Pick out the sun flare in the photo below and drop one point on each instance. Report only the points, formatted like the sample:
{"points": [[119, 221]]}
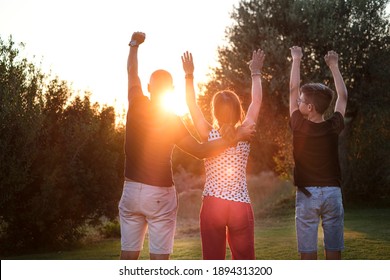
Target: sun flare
{"points": [[175, 103]]}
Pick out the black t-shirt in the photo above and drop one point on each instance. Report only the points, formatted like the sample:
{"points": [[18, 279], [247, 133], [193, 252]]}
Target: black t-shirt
{"points": [[151, 135], [315, 150]]}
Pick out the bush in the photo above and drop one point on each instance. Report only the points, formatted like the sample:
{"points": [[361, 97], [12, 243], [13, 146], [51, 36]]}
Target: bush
{"points": [[189, 204], [61, 159], [268, 193], [110, 229]]}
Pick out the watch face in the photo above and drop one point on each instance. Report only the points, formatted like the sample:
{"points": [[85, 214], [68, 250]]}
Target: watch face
{"points": [[133, 43]]}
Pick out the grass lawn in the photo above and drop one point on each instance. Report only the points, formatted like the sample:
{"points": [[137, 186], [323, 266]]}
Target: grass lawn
{"points": [[367, 237]]}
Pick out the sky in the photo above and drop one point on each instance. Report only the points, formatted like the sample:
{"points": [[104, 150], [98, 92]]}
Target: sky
{"points": [[85, 42]]}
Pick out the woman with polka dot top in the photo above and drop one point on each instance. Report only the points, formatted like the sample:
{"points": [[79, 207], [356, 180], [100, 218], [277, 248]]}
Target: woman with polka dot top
{"points": [[226, 212]]}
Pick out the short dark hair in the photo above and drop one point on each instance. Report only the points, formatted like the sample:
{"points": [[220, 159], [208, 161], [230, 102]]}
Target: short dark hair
{"points": [[319, 95]]}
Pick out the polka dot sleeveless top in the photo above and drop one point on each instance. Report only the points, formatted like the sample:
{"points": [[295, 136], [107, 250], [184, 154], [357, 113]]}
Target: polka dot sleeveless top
{"points": [[226, 173]]}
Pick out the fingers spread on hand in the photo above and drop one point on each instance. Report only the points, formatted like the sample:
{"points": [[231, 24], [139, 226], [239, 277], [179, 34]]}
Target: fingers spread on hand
{"points": [[186, 57]]}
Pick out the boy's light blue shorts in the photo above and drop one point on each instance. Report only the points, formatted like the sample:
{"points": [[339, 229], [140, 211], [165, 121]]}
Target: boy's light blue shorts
{"points": [[325, 203]]}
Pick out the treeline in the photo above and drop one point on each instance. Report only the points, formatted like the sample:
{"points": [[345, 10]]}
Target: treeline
{"points": [[61, 158], [359, 30]]}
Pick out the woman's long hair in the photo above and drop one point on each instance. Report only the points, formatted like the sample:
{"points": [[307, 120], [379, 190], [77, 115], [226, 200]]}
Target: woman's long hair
{"points": [[227, 112]]}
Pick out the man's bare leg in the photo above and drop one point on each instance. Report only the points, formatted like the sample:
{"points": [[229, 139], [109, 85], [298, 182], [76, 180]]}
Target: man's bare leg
{"points": [[159, 256], [129, 255]]}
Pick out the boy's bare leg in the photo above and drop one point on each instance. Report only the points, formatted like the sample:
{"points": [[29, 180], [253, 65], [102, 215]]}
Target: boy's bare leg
{"points": [[333, 255], [309, 256]]}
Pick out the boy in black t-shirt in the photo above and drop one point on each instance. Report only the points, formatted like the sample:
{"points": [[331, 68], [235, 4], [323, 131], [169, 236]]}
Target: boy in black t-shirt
{"points": [[315, 148]]}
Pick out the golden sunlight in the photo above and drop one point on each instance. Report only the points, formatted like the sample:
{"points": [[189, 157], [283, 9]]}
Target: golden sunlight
{"points": [[175, 103]]}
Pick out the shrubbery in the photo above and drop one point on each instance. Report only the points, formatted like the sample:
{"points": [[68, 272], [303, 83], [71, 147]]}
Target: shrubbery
{"points": [[61, 160]]}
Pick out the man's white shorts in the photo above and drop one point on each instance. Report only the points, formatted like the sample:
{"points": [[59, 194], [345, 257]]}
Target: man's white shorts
{"points": [[145, 206]]}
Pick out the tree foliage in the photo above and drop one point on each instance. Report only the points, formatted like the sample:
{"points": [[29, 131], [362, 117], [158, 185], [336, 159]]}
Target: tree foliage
{"points": [[61, 160], [359, 31]]}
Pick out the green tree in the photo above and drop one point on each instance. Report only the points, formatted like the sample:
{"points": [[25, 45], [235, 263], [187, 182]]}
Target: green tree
{"points": [[20, 119], [359, 31], [61, 160]]}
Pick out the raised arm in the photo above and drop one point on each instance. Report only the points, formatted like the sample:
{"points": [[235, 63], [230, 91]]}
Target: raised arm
{"points": [[202, 126], [295, 77], [331, 59], [255, 66], [132, 61]]}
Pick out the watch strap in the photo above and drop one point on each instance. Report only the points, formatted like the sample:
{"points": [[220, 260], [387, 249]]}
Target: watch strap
{"points": [[133, 43]]}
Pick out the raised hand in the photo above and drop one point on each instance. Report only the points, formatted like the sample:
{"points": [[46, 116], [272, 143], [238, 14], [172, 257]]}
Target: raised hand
{"points": [[296, 52], [138, 37], [331, 58], [188, 63], [256, 64]]}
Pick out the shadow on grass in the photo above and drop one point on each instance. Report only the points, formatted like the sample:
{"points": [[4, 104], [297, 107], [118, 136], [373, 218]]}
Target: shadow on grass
{"points": [[367, 234]]}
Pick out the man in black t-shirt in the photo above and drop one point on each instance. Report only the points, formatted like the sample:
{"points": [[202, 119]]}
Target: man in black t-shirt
{"points": [[315, 149], [149, 197]]}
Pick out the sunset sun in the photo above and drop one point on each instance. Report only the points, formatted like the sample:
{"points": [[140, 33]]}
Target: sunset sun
{"points": [[175, 103]]}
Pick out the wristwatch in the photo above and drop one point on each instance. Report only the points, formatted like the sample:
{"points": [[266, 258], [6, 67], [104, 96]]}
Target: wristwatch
{"points": [[133, 43]]}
